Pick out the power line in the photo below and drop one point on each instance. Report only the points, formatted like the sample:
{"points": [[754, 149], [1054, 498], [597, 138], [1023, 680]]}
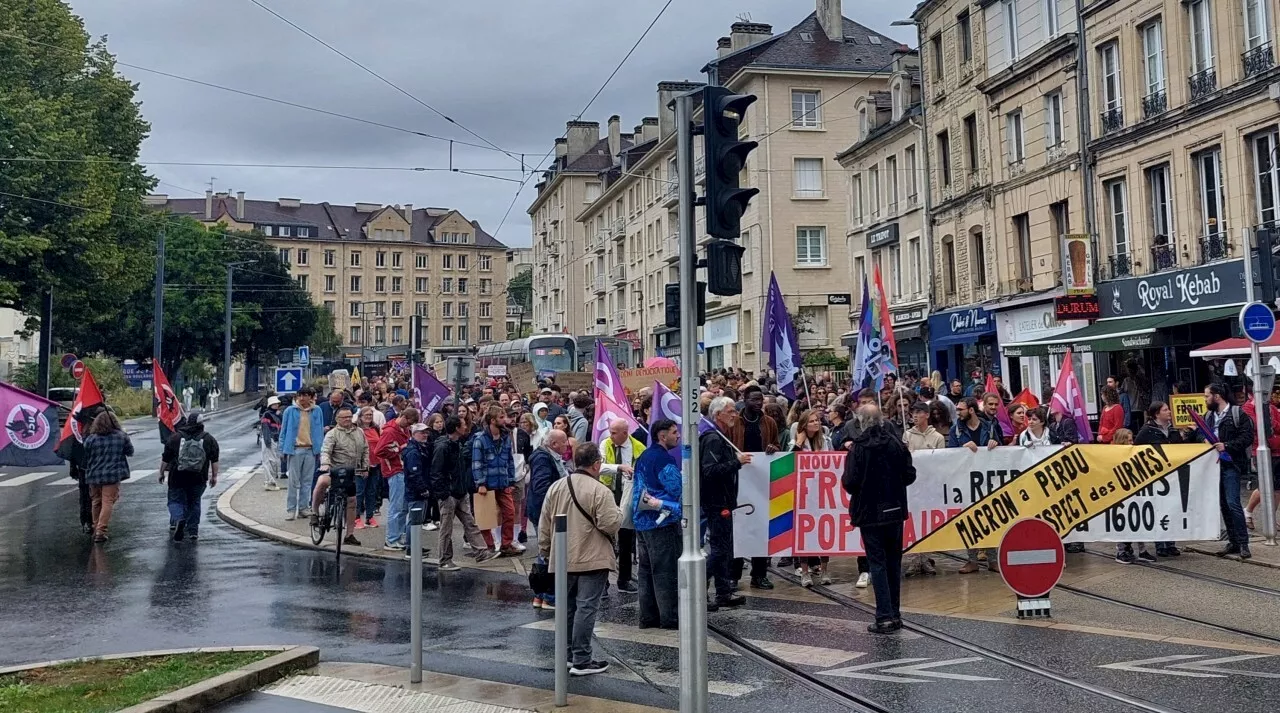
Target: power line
{"points": [[384, 80]]}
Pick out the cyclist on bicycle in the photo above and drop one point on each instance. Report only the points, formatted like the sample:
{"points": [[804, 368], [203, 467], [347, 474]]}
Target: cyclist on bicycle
{"points": [[344, 447]]}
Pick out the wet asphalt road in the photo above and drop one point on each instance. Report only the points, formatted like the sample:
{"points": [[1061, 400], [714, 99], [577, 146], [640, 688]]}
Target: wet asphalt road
{"points": [[61, 597]]}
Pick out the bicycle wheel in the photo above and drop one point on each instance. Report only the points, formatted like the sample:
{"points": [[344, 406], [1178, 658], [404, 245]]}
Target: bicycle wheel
{"points": [[321, 524], [340, 509]]}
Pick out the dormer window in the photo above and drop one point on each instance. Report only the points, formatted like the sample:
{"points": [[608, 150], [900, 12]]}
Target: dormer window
{"points": [[896, 93], [864, 122]]}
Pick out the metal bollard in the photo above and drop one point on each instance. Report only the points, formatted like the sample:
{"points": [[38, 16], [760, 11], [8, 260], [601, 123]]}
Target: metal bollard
{"points": [[415, 592], [560, 554]]}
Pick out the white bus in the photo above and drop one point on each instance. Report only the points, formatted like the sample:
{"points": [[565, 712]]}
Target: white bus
{"points": [[549, 353]]}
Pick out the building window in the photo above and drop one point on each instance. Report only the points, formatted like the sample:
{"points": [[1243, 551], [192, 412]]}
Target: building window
{"points": [[379, 335], [380, 259], [420, 284], [397, 284], [486, 263], [420, 308], [978, 249], [1212, 200], [1054, 135], [329, 281], [1022, 232], [949, 265], [462, 334], [304, 256], [329, 258], [1117, 216], [1153, 57], [302, 282], [284, 256], [397, 308], [855, 199], [446, 285], [1201, 36], [964, 33], [355, 335], [1060, 219], [1257, 26], [285, 231], [379, 284], [805, 108], [873, 185], [446, 262], [462, 262], [462, 285], [748, 251], [939, 60], [913, 181], [895, 272], [863, 127], [486, 309], [1011, 29], [446, 309], [303, 232], [397, 259], [355, 283], [811, 247], [355, 258], [592, 191], [486, 333], [446, 334], [914, 256], [891, 182], [1013, 129], [486, 286], [330, 306], [944, 156], [420, 262], [816, 318], [971, 143], [1267, 177], [397, 335], [807, 177], [464, 309], [1161, 197], [354, 310], [1109, 58], [859, 274], [266, 230], [1051, 18]]}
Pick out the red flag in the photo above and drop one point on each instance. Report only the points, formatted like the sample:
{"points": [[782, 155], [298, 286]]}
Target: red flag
{"points": [[886, 323], [1026, 398], [88, 396], [168, 409], [1002, 413], [1068, 399]]}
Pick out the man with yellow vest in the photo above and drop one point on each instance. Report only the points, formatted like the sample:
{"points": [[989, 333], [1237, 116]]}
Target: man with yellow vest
{"points": [[620, 452]]}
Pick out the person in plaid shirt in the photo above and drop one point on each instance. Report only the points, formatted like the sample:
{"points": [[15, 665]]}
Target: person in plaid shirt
{"points": [[107, 450]]}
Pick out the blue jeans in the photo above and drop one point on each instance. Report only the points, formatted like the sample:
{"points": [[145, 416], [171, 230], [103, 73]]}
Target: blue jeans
{"points": [[184, 506], [1229, 502], [302, 466], [396, 513], [367, 494]]}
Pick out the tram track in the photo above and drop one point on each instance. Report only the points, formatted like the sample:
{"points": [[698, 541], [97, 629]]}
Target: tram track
{"points": [[1213, 579]]}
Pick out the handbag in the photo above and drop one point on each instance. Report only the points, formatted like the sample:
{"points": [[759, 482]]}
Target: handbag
{"points": [[541, 580], [628, 491]]}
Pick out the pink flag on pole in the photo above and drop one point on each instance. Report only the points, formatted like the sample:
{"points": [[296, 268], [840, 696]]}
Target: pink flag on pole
{"points": [[609, 383], [608, 411], [1068, 399], [1002, 413]]}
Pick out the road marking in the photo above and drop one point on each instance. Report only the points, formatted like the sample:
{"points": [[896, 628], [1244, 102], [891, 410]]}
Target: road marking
{"points": [[136, 475], [1210, 665], [234, 474], [1203, 668], [1033, 557], [1140, 666], [27, 478], [911, 667]]}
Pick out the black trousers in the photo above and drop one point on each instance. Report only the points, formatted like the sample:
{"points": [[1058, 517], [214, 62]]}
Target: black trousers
{"points": [[626, 553], [658, 576], [720, 550], [86, 503], [759, 567], [884, 553]]}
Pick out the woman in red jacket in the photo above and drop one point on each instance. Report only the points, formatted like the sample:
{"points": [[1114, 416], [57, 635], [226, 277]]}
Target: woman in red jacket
{"points": [[367, 499], [1113, 415]]}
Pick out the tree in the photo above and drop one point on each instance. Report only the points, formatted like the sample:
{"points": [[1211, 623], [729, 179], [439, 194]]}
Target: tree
{"points": [[324, 340], [520, 290], [71, 220]]}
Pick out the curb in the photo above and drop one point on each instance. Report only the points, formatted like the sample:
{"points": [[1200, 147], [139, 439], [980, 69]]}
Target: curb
{"points": [[1233, 558], [207, 693]]}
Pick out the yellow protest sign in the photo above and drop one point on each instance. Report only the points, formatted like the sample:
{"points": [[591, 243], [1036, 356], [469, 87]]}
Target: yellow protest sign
{"points": [[1065, 489], [1183, 405]]}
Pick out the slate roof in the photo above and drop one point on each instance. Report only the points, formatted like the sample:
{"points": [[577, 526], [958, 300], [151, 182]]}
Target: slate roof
{"points": [[329, 221], [788, 50]]}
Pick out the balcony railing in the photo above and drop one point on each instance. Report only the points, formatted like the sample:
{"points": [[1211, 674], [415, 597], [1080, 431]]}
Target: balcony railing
{"points": [[671, 195], [1214, 247], [1163, 257], [619, 228], [1155, 104], [620, 319], [673, 248], [1112, 120], [1258, 60], [1119, 266], [1202, 84], [618, 275], [598, 284]]}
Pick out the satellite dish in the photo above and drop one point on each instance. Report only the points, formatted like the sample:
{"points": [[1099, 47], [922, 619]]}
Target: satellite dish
{"points": [[1229, 369]]}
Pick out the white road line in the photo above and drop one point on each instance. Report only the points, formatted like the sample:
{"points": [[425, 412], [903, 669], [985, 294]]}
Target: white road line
{"points": [[27, 478], [136, 475], [234, 474]]}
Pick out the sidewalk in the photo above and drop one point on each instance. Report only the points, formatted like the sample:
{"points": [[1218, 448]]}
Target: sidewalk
{"points": [[248, 506]]}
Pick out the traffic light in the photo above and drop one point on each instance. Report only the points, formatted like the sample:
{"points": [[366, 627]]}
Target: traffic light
{"points": [[1268, 266], [672, 304], [724, 157]]}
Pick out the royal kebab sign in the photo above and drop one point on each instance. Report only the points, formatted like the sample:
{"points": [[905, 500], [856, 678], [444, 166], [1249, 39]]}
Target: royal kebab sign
{"points": [[1217, 285]]}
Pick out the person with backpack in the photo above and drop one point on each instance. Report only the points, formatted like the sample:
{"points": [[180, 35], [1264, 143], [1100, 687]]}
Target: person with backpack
{"points": [[1233, 435], [450, 482], [190, 463]]}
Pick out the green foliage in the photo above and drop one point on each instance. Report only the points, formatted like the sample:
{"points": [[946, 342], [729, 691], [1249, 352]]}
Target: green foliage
{"points": [[24, 377], [825, 358], [108, 374], [520, 291], [131, 403], [324, 340], [196, 370]]}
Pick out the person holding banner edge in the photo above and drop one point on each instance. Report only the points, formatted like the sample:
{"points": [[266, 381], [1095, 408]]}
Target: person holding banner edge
{"points": [[974, 432], [1231, 433], [720, 463]]}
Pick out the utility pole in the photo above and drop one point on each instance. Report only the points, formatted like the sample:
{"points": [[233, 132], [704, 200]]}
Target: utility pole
{"points": [[46, 342], [158, 328], [226, 343]]}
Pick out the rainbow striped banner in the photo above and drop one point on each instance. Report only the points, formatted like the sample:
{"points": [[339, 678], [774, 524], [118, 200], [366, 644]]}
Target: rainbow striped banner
{"points": [[782, 505]]}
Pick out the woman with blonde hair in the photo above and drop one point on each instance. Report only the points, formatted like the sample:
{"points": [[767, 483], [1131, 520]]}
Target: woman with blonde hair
{"points": [[811, 435], [107, 450]]}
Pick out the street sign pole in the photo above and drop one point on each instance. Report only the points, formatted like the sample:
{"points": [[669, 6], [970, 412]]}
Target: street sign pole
{"points": [[693, 564], [1261, 400]]}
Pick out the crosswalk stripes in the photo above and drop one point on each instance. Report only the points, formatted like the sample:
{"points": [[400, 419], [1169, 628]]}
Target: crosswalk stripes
{"points": [[27, 478], [234, 474], [142, 474]]}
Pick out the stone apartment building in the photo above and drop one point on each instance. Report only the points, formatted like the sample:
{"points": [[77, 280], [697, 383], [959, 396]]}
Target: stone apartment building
{"points": [[373, 266]]}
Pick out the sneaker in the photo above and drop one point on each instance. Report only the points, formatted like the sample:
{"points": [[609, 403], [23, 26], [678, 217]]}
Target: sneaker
{"points": [[306, 512], [825, 578], [291, 516], [537, 601], [1228, 550], [864, 580], [314, 520], [1168, 552], [799, 571], [1125, 557], [589, 668], [351, 540], [449, 567], [483, 555], [393, 547], [627, 587], [1245, 553], [359, 524], [372, 522], [885, 627], [806, 580], [929, 567], [968, 568], [431, 527], [761, 583], [508, 551], [180, 531], [712, 606], [732, 601], [548, 603], [409, 555], [1146, 556], [192, 538], [523, 537], [1074, 547], [785, 563], [519, 547]]}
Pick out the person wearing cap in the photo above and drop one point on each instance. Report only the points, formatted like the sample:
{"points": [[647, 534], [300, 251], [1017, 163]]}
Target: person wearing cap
{"points": [[417, 455], [190, 463], [269, 427]]}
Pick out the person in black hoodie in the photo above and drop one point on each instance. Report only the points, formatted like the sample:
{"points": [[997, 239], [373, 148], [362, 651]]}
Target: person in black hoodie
{"points": [[450, 482], [876, 475], [1235, 432], [417, 457], [190, 462], [720, 464]]}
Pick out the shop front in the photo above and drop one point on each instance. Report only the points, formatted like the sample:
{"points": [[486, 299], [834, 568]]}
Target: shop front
{"points": [[909, 334], [719, 335], [962, 341], [1024, 368]]}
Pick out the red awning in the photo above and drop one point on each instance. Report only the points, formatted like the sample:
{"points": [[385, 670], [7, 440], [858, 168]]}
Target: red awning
{"points": [[1237, 347]]}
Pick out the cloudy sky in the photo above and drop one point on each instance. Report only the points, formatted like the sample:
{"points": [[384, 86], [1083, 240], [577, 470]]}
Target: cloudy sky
{"points": [[512, 71]]}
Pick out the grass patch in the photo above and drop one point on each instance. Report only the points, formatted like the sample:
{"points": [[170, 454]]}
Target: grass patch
{"points": [[131, 403], [97, 686]]}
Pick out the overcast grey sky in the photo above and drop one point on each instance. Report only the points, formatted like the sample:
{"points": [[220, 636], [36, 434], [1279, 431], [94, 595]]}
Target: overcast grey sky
{"points": [[513, 71]]}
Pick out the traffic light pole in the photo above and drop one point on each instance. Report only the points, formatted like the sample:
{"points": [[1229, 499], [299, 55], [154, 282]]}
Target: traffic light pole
{"points": [[1261, 395], [693, 564]]}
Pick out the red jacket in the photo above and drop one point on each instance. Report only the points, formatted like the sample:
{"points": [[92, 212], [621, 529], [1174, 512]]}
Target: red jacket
{"points": [[372, 436], [1112, 421], [394, 439], [1273, 440]]}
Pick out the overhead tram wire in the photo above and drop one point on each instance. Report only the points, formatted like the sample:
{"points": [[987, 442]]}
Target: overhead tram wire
{"points": [[386, 81]]}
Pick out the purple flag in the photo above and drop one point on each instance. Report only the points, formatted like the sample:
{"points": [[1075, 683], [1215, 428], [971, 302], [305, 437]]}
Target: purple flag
{"points": [[428, 391], [780, 342], [705, 425], [609, 383], [667, 405], [27, 438]]}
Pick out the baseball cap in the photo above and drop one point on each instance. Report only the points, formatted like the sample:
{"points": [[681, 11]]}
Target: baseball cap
{"points": [[418, 427], [546, 390]]}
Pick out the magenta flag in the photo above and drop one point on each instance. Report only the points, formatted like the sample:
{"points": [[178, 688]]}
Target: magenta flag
{"points": [[667, 405], [1068, 399], [609, 383], [27, 439], [608, 411]]}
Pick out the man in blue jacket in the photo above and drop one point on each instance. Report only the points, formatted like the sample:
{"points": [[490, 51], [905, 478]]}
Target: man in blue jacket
{"points": [[493, 466], [656, 511], [301, 438]]}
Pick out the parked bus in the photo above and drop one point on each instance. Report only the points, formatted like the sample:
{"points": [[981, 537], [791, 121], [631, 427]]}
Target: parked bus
{"points": [[549, 353], [619, 351]]}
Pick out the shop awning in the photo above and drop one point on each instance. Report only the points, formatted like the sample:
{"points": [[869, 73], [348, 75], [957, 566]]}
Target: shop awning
{"points": [[1111, 335], [1237, 347]]}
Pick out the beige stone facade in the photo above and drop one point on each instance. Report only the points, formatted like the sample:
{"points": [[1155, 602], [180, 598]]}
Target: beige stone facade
{"points": [[373, 266]]}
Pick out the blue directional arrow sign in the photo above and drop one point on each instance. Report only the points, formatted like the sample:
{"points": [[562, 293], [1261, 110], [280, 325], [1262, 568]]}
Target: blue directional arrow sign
{"points": [[304, 356], [288, 380], [1257, 322]]}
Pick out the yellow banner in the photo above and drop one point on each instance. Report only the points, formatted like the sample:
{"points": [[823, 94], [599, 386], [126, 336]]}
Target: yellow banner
{"points": [[1183, 405], [1065, 489]]}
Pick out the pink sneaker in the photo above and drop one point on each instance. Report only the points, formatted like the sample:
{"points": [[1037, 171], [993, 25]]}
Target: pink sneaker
{"points": [[372, 522], [359, 524]]}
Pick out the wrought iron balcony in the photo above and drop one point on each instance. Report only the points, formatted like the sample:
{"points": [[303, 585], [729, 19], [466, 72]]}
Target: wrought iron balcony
{"points": [[1163, 257], [1155, 104], [1214, 247], [1203, 84], [1258, 60], [1112, 120], [1120, 265]]}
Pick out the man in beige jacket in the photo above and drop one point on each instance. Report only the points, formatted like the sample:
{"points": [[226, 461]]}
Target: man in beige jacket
{"points": [[344, 446], [593, 519]]}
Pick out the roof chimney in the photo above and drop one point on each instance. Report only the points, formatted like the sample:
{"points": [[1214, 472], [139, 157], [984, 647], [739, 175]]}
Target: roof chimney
{"points": [[745, 34], [724, 46], [648, 129], [582, 136], [831, 20], [208, 204], [408, 213], [666, 115], [239, 205], [562, 148], [615, 135]]}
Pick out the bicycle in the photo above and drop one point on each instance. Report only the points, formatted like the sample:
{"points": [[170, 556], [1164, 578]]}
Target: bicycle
{"points": [[333, 511]]}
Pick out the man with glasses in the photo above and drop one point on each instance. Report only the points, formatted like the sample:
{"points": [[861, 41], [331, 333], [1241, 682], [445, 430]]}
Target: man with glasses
{"points": [[344, 449]]}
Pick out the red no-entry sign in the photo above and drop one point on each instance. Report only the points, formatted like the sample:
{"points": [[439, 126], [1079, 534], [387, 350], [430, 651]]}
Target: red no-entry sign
{"points": [[77, 369], [1031, 558]]}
